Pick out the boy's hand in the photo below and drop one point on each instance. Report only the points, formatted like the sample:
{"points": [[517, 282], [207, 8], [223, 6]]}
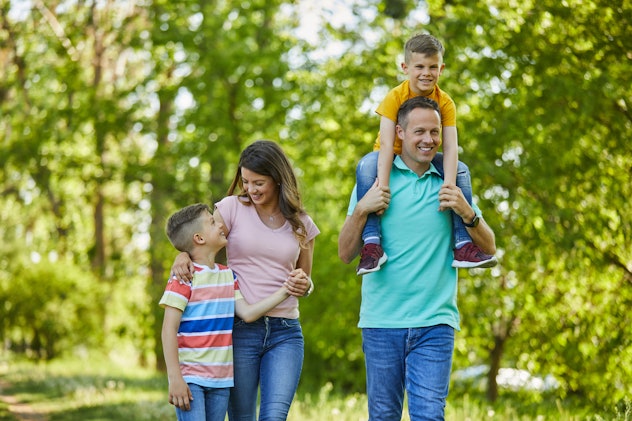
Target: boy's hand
{"points": [[297, 283], [182, 268], [180, 395]]}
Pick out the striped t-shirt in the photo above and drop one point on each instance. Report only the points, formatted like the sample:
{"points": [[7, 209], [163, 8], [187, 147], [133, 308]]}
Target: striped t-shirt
{"points": [[205, 340]]}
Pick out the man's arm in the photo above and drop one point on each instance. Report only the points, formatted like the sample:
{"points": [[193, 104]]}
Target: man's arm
{"points": [[350, 238], [451, 197]]}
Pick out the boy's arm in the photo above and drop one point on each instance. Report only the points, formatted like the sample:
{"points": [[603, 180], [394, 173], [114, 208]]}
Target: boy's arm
{"points": [[179, 392], [251, 312], [385, 156], [450, 155]]}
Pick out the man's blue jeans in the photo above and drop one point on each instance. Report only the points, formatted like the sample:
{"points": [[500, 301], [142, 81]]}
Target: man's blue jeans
{"points": [[366, 173], [208, 404], [267, 353], [417, 360]]}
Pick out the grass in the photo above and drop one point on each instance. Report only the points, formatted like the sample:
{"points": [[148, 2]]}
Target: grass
{"points": [[98, 389]]}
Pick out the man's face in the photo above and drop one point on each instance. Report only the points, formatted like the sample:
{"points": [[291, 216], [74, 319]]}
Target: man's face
{"points": [[421, 138]]}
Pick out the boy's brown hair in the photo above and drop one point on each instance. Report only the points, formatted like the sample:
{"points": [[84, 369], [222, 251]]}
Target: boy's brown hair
{"points": [[183, 224], [423, 44]]}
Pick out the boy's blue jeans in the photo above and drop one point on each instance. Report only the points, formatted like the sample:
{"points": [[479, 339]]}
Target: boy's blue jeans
{"points": [[366, 173], [208, 404], [268, 353], [417, 360]]}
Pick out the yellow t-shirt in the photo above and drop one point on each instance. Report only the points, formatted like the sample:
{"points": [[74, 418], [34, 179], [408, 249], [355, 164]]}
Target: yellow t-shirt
{"points": [[400, 94]]}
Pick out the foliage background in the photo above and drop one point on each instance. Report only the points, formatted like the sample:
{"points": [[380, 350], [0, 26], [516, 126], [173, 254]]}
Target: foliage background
{"points": [[114, 114]]}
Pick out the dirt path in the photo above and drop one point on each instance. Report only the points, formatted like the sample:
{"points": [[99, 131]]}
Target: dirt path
{"points": [[22, 411]]}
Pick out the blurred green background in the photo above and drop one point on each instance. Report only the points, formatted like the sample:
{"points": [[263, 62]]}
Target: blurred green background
{"points": [[113, 114]]}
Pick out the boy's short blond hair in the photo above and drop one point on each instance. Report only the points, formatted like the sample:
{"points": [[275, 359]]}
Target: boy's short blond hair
{"points": [[183, 224], [423, 44]]}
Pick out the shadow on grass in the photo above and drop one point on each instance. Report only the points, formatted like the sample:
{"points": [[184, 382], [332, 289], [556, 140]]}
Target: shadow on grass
{"points": [[91, 396]]}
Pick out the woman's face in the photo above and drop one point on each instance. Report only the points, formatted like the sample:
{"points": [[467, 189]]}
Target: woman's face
{"points": [[261, 189]]}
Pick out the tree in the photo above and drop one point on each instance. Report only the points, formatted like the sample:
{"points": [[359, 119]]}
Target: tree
{"points": [[543, 129]]}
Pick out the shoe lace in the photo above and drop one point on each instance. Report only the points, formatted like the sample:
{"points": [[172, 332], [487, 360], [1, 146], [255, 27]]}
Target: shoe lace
{"points": [[371, 252]]}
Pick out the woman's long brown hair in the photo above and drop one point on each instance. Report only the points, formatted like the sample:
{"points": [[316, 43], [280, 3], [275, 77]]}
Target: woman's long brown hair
{"points": [[265, 157]]}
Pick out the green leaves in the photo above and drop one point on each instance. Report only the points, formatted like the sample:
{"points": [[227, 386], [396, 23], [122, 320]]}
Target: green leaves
{"points": [[113, 116]]}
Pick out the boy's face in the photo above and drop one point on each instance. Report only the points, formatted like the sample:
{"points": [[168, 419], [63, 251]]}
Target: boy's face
{"points": [[213, 232], [423, 72]]}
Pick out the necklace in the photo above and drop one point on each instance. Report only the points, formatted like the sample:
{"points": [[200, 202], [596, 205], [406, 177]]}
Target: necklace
{"points": [[271, 217]]}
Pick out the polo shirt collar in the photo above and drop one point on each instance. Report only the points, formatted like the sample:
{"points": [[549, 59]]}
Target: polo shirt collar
{"points": [[399, 164]]}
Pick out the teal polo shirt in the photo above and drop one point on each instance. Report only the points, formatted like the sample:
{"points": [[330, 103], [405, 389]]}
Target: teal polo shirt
{"points": [[417, 286]]}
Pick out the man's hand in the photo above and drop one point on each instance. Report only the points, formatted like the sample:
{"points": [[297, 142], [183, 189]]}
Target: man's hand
{"points": [[376, 199], [451, 197]]}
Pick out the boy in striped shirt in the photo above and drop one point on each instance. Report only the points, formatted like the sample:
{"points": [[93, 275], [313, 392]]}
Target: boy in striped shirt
{"points": [[198, 321]]}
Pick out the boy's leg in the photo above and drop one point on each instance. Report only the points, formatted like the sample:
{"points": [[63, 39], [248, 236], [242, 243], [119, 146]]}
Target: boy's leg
{"points": [[466, 253], [464, 182], [372, 255], [366, 173]]}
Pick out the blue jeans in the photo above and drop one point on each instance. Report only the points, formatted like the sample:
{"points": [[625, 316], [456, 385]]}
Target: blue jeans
{"points": [[208, 404], [268, 353], [417, 360], [366, 173]]}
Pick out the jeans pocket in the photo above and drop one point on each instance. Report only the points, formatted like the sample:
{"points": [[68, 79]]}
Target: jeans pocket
{"points": [[290, 323]]}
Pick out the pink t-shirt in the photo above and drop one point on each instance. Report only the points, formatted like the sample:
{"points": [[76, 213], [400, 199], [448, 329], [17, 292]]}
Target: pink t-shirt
{"points": [[261, 257]]}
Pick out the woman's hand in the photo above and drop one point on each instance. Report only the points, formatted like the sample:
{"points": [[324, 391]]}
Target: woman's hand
{"points": [[298, 283], [182, 267]]}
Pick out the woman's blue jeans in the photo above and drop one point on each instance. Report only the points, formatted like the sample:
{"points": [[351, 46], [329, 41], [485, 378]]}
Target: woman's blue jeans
{"points": [[208, 404], [268, 353], [366, 173], [417, 360]]}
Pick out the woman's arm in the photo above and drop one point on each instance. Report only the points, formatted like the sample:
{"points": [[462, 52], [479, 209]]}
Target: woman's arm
{"points": [[182, 267], [299, 282]]}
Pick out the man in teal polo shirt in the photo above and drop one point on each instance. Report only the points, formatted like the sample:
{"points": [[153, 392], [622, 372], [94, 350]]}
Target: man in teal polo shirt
{"points": [[408, 313]]}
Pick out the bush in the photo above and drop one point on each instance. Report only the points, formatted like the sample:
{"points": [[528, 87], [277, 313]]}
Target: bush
{"points": [[50, 307]]}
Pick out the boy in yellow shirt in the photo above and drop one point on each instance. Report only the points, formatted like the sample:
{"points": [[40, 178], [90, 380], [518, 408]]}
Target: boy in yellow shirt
{"points": [[423, 64]]}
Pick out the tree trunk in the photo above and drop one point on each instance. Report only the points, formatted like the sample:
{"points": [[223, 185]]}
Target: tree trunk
{"points": [[494, 366]]}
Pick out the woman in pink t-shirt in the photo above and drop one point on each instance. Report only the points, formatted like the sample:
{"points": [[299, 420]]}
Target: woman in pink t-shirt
{"points": [[270, 239]]}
